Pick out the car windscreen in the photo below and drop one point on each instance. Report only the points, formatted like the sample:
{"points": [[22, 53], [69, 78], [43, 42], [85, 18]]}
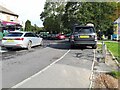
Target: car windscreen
{"points": [[14, 34], [85, 30]]}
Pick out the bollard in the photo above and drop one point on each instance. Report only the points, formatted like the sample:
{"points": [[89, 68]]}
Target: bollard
{"points": [[104, 51]]}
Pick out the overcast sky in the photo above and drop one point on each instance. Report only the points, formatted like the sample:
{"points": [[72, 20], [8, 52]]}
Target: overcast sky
{"points": [[26, 9]]}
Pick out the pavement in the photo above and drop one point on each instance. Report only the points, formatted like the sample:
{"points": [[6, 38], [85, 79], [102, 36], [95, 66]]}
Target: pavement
{"points": [[70, 74], [105, 66], [69, 70], [59, 76]]}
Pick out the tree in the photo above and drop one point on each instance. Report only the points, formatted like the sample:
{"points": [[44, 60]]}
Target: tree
{"points": [[61, 17], [70, 16], [52, 15], [36, 29], [116, 13], [28, 26], [98, 13]]}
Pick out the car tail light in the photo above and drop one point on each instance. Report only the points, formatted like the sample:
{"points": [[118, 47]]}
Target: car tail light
{"points": [[72, 37], [19, 39], [95, 37], [18, 44]]}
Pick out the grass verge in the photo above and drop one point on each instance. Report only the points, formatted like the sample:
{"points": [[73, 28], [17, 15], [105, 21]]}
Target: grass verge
{"points": [[113, 47]]}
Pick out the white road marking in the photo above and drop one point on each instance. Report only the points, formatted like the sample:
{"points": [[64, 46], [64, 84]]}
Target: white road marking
{"points": [[19, 84], [91, 76]]}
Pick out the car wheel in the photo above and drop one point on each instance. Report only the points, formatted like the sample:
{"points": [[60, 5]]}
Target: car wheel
{"points": [[94, 46], [29, 46]]}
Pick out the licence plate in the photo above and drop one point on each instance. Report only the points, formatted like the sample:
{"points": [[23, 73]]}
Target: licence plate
{"points": [[84, 36], [10, 40]]}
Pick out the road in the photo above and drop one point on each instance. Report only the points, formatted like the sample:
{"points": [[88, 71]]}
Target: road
{"points": [[71, 71]]}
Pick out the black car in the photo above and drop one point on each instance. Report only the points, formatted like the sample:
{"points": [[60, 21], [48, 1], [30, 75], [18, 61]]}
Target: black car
{"points": [[84, 35]]}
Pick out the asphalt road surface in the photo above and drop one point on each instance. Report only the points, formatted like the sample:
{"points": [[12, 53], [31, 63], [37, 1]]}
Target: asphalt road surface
{"points": [[71, 71]]}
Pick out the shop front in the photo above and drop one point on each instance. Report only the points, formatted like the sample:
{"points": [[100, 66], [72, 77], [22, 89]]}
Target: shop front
{"points": [[6, 27]]}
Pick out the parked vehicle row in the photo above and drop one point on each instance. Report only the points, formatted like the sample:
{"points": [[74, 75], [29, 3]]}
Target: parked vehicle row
{"points": [[81, 35], [54, 36]]}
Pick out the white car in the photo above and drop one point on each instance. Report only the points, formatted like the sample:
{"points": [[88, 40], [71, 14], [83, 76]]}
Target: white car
{"points": [[20, 39]]}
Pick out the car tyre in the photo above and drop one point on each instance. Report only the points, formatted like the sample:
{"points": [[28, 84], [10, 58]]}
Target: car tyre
{"points": [[29, 46]]}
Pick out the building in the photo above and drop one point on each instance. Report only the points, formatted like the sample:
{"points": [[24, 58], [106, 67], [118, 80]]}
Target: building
{"points": [[8, 18], [116, 34]]}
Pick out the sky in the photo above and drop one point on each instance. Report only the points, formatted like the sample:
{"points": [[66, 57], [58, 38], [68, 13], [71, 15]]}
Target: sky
{"points": [[26, 9]]}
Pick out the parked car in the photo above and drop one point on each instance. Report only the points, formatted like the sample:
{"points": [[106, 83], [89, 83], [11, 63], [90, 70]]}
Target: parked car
{"points": [[19, 39], [68, 35], [53, 36], [84, 35], [61, 36], [44, 35]]}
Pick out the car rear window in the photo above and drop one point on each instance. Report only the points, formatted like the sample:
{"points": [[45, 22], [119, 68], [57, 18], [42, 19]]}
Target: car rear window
{"points": [[15, 34], [84, 30]]}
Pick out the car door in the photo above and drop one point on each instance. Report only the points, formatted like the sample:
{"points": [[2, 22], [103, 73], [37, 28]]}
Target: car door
{"points": [[37, 39], [30, 37]]}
